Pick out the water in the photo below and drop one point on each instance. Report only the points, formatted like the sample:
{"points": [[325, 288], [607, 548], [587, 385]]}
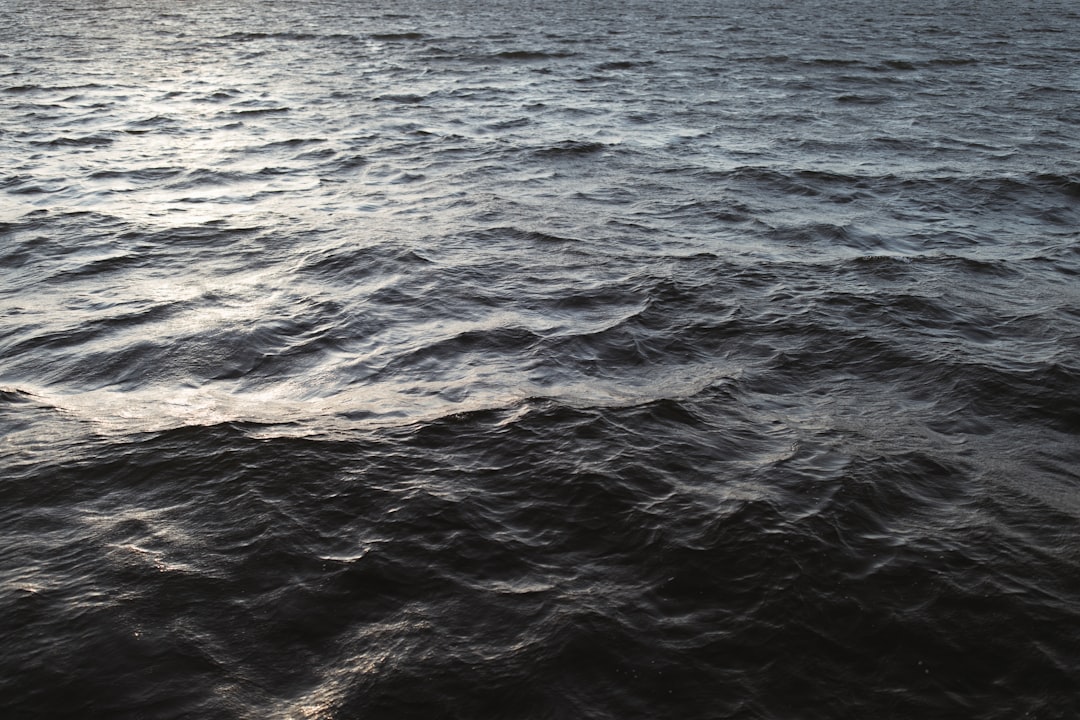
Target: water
{"points": [[539, 359]]}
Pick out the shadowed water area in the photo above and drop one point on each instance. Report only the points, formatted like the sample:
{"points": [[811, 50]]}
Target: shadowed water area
{"points": [[540, 359]]}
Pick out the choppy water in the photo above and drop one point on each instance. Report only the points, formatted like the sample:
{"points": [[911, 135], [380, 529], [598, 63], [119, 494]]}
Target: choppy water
{"points": [[540, 359]]}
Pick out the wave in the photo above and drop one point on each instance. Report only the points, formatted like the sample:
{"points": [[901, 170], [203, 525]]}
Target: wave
{"points": [[570, 148], [299, 36], [391, 36], [530, 55], [90, 141], [360, 359]]}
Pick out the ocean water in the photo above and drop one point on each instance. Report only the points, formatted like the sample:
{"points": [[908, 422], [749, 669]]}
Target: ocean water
{"points": [[540, 359]]}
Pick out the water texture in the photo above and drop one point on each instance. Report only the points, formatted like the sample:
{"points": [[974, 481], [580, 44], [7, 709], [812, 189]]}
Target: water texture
{"points": [[540, 359]]}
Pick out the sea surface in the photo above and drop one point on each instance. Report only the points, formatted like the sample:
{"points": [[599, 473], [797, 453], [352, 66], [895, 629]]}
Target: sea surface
{"points": [[540, 359]]}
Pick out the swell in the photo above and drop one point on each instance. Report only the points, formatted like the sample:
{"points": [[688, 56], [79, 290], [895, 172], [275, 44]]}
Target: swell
{"points": [[579, 574]]}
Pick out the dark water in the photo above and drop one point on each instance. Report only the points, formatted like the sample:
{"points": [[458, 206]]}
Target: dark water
{"points": [[540, 359]]}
